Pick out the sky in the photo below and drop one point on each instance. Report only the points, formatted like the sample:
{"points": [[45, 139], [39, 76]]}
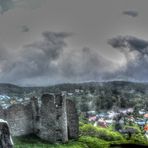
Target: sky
{"points": [[46, 42]]}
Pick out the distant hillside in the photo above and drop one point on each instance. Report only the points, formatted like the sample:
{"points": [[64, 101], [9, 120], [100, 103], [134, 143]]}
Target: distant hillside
{"points": [[70, 87], [10, 89], [91, 95]]}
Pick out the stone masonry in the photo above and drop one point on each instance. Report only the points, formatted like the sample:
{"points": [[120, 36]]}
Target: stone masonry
{"points": [[52, 118], [5, 137]]}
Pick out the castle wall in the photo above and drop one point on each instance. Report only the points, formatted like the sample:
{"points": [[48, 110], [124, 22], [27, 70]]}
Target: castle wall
{"points": [[54, 120], [47, 122], [72, 120], [54, 127], [19, 118], [61, 116]]}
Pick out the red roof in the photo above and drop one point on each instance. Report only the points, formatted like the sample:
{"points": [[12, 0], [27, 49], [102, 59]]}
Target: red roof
{"points": [[146, 115]]}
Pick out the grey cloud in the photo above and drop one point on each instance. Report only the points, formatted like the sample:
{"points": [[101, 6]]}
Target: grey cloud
{"points": [[50, 47], [36, 59], [25, 28], [130, 42], [3, 53], [85, 65], [5, 5], [131, 13], [136, 53], [48, 61]]}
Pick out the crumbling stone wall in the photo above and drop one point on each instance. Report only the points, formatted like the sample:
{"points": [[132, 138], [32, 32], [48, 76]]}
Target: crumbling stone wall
{"points": [[19, 118], [55, 119], [72, 120], [61, 117], [54, 127]]}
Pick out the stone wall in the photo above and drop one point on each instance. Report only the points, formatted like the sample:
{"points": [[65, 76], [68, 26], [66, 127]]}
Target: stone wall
{"points": [[19, 118], [55, 119], [72, 120], [54, 127]]}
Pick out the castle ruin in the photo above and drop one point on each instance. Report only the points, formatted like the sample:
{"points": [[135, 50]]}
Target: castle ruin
{"points": [[52, 118]]}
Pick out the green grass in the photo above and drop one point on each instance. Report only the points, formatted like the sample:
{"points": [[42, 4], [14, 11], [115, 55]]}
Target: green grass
{"points": [[32, 141], [71, 145], [90, 137], [83, 142], [93, 142]]}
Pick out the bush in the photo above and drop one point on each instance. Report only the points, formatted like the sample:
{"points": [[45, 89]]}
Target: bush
{"points": [[101, 133], [135, 129], [93, 142], [81, 124], [139, 138]]}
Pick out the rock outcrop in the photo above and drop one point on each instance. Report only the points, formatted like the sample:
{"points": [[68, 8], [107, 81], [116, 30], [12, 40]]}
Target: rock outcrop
{"points": [[5, 137]]}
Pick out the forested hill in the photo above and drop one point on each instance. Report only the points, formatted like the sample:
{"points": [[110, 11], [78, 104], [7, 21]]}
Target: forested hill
{"points": [[71, 87], [91, 95]]}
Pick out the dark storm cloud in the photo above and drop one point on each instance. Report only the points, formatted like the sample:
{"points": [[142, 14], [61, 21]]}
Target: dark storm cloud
{"points": [[130, 42], [36, 59], [51, 46], [85, 65], [131, 13], [136, 53], [49, 61]]}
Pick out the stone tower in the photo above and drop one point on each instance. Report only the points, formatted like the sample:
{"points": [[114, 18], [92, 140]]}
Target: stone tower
{"points": [[52, 125]]}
